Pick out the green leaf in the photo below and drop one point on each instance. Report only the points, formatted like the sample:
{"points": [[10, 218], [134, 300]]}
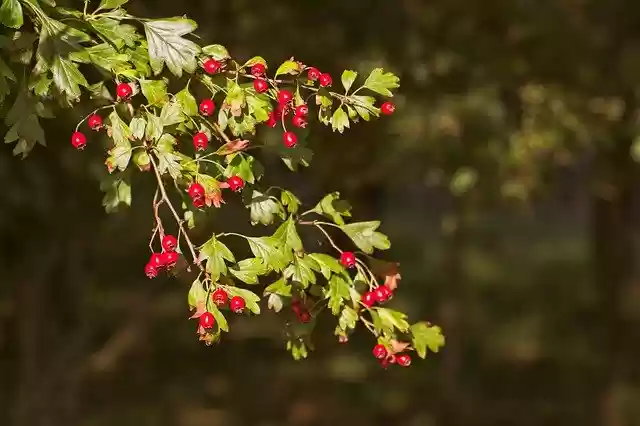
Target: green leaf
{"points": [[274, 302], [269, 249], [380, 82], [171, 113], [249, 297], [348, 77], [288, 234], [167, 46], [364, 106], [287, 67], [117, 190], [216, 51], [339, 120], [290, 201], [137, 127], [280, 287], [248, 270], [424, 335], [302, 271], [155, 91], [187, 102], [120, 154], [215, 252], [235, 99], [169, 162], [197, 294], [11, 14], [219, 316], [390, 319], [241, 166], [259, 106], [348, 318], [114, 32], [337, 291], [103, 55], [327, 264], [364, 235], [331, 206], [111, 4], [264, 209], [67, 77], [24, 124], [255, 60], [153, 131]]}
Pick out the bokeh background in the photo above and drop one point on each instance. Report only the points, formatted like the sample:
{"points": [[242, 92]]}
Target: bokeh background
{"points": [[506, 180]]}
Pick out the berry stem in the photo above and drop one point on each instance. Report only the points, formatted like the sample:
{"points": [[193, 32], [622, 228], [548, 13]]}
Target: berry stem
{"points": [[326, 234], [91, 113]]}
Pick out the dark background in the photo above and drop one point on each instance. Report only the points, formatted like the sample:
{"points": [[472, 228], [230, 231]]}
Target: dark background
{"points": [[505, 181]]}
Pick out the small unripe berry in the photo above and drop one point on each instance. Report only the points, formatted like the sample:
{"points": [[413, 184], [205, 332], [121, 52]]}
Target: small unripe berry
{"points": [[325, 80], [78, 140], [379, 351], [207, 320], [150, 271], [404, 360], [368, 299], [313, 73], [200, 141], [124, 90], [290, 139], [94, 121], [260, 85], [235, 183], [156, 260], [170, 258], [348, 259], [220, 297], [207, 107], [169, 243], [299, 121], [302, 110], [387, 108], [285, 96], [211, 66], [196, 190], [258, 70], [237, 304]]}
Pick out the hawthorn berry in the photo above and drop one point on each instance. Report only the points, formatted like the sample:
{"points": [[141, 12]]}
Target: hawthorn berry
{"points": [[302, 110], [299, 121], [207, 107], [260, 85], [387, 108], [404, 360], [207, 320], [169, 243], [382, 294], [392, 359], [150, 271], [170, 258], [94, 121], [348, 259], [211, 66], [290, 139], [272, 121], [258, 70], [380, 351], [78, 140], [368, 299], [200, 141], [156, 260], [325, 80], [313, 73], [285, 96], [196, 190], [124, 90], [343, 339], [237, 304], [281, 109], [304, 316], [220, 297], [235, 183], [198, 202]]}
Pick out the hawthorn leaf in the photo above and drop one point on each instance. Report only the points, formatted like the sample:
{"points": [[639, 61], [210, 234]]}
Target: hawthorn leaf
{"points": [[111, 4], [333, 207], [219, 316], [259, 106], [216, 51], [169, 162], [167, 46], [328, 264], [339, 120], [155, 91], [113, 31], [120, 154], [348, 318], [287, 67], [11, 14], [249, 297], [425, 336], [171, 113], [288, 234], [137, 127], [24, 124], [215, 252], [337, 291], [241, 166], [197, 294], [365, 106], [380, 82], [187, 102], [269, 250], [255, 60], [390, 319], [274, 302], [153, 131], [67, 77], [117, 189], [103, 55], [348, 77], [281, 287], [301, 271], [264, 209], [365, 236], [248, 270], [290, 201]]}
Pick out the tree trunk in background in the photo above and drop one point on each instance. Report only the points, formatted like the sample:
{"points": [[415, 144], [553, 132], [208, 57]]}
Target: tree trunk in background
{"points": [[613, 258]]}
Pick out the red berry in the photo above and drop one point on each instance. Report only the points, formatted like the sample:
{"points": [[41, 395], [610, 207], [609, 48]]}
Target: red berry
{"points": [[313, 73], [348, 259], [207, 107], [196, 190], [272, 121], [94, 121], [207, 320], [156, 260], [392, 359], [169, 243], [78, 140], [124, 90], [235, 183], [381, 295], [150, 271], [281, 109], [200, 141], [258, 70], [304, 316], [404, 360], [325, 80], [302, 110], [260, 85], [290, 139], [198, 202], [170, 258], [299, 121], [343, 339], [386, 292], [211, 66], [380, 351], [237, 304], [387, 108], [285, 96], [220, 297], [368, 299]]}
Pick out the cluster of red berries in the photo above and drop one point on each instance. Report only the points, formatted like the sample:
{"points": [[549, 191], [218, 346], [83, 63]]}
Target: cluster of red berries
{"points": [[301, 311], [381, 353], [197, 193], [167, 259], [324, 79], [380, 295], [220, 298]]}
